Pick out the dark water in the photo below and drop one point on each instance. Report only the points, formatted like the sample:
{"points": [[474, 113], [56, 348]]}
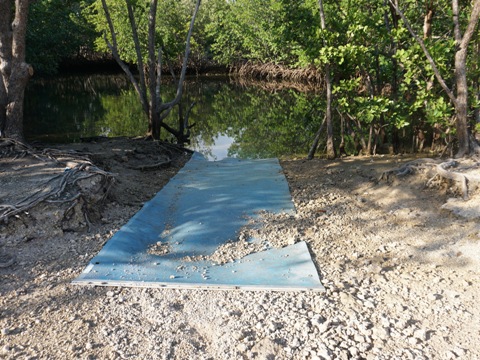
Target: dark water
{"points": [[230, 119]]}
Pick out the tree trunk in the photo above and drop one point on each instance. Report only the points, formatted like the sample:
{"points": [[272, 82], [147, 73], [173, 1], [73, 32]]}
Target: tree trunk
{"points": [[428, 20], [461, 108], [370, 139], [14, 71], [460, 98], [314, 146], [152, 67], [151, 100], [341, 147], [331, 153]]}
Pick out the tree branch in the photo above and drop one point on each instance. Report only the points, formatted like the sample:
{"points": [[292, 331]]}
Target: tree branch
{"points": [[114, 49], [467, 36], [438, 76], [138, 51], [185, 61]]}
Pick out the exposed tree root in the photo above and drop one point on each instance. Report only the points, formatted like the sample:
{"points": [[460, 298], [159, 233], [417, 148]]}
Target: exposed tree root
{"points": [[68, 187], [272, 71], [55, 190], [6, 260], [408, 168], [451, 169]]}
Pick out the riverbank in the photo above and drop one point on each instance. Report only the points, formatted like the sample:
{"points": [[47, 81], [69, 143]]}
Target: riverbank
{"points": [[399, 270]]}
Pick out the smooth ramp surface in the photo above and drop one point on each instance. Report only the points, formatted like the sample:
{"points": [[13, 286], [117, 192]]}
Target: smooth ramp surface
{"points": [[202, 207]]}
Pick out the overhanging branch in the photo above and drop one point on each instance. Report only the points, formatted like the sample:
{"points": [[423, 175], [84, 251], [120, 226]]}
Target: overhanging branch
{"points": [[438, 76], [185, 61]]}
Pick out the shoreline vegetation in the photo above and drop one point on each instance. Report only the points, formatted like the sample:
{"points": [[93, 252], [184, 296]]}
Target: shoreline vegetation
{"points": [[247, 70], [372, 118]]}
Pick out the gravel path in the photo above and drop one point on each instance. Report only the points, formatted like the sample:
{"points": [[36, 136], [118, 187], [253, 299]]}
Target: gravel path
{"points": [[400, 275]]}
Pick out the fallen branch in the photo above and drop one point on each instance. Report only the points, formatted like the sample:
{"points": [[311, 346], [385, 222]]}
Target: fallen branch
{"points": [[408, 168], [152, 166], [441, 170]]}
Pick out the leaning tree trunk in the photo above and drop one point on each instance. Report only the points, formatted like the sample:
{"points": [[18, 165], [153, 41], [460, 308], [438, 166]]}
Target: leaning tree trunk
{"points": [[14, 71]]}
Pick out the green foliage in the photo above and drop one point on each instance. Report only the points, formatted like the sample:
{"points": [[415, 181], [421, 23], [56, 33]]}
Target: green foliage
{"points": [[173, 18], [281, 32], [56, 30], [438, 111], [381, 76]]}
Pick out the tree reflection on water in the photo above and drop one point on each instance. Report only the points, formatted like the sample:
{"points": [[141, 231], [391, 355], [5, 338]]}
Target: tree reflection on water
{"points": [[248, 121]]}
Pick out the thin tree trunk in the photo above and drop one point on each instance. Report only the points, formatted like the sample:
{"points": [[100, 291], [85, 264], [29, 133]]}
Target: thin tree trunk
{"points": [[393, 59], [153, 116], [183, 72], [428, 20], [151, 99], [341, 147], [314, 146], [114, 49], [358, 135], [370, 138], [331, 153], [362, 139], [5, 61], [436, 71]]}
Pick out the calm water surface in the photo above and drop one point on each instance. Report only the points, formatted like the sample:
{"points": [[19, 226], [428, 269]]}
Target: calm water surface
{"points": [[230, 119]]}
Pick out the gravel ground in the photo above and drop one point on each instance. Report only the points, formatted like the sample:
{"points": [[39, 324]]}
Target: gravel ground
{"points": [[400, 274]]}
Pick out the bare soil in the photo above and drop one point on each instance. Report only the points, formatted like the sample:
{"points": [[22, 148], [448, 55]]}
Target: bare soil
{"points": [[400, 262]]}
